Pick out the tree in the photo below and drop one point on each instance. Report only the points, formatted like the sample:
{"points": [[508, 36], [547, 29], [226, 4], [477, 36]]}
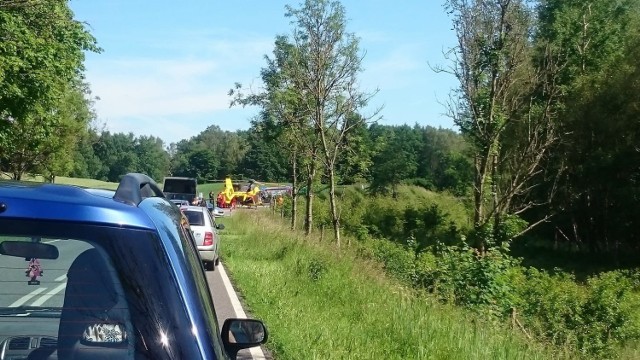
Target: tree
{"points": [[85, 162], [265, 158], [74, 115], [41, 62], [505, 106], [153, 159], [326, 64], [596, 154], [117, 155], [284, 114], [395, 161], [228, 147], [354, 166]]}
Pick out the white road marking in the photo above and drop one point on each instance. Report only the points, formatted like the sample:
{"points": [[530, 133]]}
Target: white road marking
{"points": [[51, 241], [60, 278], [50, 294], [256, 352], [27, 297]]}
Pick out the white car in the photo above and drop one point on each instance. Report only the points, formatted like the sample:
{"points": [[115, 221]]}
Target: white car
{"points": [[217, 212], [205, 232]]}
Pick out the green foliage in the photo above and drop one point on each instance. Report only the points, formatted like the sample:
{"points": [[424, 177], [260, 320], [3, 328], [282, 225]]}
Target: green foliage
{"points": [[351, 310], [598, 189], [211, 155], [264, 158], [458, 274], [153, 159], [41, 104], [596, 318], [108, 156], [397, 260], [396, 160], [314, 268], [354, 165], [415, 215]]}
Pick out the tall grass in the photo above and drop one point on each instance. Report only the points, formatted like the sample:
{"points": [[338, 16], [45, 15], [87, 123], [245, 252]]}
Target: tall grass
{"points": [[323, 304]]}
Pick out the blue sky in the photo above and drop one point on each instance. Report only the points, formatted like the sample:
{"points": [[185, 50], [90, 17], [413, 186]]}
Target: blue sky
{"points": [[167, 66]]}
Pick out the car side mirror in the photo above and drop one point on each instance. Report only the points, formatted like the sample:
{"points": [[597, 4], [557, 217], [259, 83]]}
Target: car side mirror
{"points": [[220, 226], [238, 334]]}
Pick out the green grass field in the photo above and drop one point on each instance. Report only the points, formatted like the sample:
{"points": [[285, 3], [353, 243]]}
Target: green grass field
{"points": [[215, 187]]}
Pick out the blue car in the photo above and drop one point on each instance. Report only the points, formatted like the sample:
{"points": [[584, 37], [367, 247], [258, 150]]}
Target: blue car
{"points": [[98, 274]]}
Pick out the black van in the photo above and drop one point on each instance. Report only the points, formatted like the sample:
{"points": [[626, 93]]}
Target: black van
{"points": [[183, 188]]}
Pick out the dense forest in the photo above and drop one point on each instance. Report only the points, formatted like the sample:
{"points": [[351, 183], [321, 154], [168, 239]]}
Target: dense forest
{"points": [[545, 150]]}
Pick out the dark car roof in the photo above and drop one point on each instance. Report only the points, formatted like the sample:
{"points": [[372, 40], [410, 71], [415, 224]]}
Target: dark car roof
{"points": [[68, 203]]}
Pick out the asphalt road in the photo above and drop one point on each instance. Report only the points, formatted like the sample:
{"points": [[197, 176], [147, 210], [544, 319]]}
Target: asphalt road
{"points": [[227, 306]]}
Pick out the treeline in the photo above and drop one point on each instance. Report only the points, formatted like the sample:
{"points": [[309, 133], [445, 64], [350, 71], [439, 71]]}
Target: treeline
{"points": [[423, 155], [381, 156]]}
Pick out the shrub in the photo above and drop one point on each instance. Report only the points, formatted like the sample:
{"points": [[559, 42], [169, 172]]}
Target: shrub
{"points": [[398, 261], [421, 182], [609, 311]]}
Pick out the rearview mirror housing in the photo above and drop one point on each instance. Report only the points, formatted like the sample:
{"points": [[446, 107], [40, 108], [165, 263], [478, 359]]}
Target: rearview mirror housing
{"points": [[29, 250]]}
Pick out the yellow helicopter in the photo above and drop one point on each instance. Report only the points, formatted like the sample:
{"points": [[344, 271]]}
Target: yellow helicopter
{"points": [[235, 194]]}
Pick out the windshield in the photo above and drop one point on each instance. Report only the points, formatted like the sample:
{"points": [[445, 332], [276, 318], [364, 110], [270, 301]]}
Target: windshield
{"points": [[81, 289]]}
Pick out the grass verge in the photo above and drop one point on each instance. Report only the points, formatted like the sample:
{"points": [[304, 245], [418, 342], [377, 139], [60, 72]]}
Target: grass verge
{"points": [[320, 304]]}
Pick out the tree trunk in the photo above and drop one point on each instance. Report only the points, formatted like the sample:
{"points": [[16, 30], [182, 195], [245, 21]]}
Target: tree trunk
{"points": [[478, 195], [494, 193], [308, 220], [478, 183], [335, 218], [294, 192]]}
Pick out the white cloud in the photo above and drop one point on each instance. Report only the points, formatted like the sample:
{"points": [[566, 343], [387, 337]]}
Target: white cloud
{"points": [[153, 95], [395, 69]]}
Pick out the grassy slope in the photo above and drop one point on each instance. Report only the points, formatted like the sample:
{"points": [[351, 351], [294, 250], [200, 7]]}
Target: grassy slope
{"points": [[322, 305]]}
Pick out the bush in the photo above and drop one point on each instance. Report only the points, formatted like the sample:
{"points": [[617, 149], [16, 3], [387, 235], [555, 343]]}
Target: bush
{"points": [[421, 182], [398, 261], [594, 318], [609, 311]]}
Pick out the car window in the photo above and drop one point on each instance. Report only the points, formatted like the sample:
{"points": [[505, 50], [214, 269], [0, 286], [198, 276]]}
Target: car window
{"points": [[73, 303], [195, 218], [109, 291]]}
